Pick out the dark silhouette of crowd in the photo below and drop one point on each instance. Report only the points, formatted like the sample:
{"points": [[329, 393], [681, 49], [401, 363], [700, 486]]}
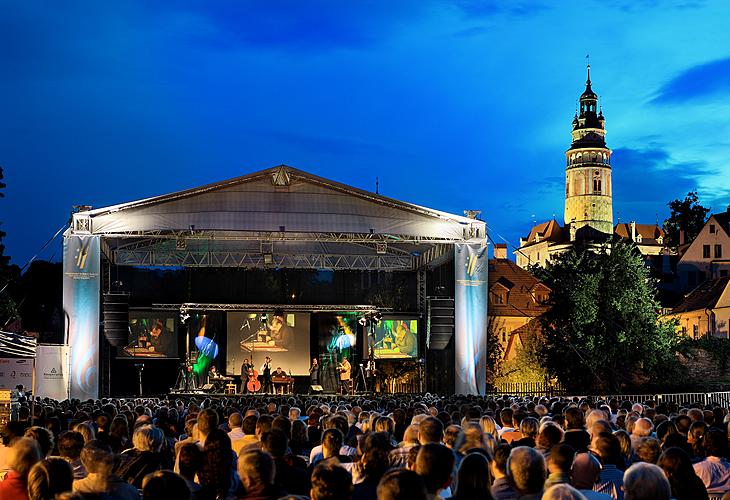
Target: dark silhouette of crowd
{"points": [[361, 448]]}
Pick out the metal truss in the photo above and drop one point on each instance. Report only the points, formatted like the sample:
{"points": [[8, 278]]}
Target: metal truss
{"points": [[270, 236], [421, 285], [257, 260], [198, 306]]}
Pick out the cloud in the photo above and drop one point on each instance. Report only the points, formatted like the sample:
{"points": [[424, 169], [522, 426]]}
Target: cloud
{"points": [[704, 80]]}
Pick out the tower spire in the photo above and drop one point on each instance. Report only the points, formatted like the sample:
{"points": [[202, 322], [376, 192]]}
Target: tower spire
{"points": [[588, 65]]}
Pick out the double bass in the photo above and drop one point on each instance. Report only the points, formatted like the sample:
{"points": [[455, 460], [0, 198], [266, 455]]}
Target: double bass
{"points": [[253, 384]]}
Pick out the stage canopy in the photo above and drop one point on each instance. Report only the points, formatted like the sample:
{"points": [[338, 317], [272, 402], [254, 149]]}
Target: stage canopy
{"points": [[272, 219], [276, 218]]}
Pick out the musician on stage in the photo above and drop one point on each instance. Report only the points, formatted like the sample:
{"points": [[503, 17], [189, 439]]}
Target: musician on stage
{"points": [[370, 372], [246, 367], [345, 371], [214, 377], [279, 388], [314, 372], [160, 340], [266, 376]]}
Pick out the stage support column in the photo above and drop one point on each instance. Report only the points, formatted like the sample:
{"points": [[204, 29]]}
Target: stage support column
{"points": [[470, 317], [81, 281]]}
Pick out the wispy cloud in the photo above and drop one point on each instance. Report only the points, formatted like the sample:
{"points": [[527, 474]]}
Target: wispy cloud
{"points": [[700, 81]]}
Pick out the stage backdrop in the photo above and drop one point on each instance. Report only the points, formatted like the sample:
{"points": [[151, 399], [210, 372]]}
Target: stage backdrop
{"points": [[470, 316], [284, 337]]}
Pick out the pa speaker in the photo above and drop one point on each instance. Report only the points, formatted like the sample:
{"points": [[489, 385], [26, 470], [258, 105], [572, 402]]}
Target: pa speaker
{"points": [[116, 318], [208, 387], [316, 389]]}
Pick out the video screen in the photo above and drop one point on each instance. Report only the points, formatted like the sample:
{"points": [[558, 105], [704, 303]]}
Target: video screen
{"points": [[152, 334], [394, 339], [282, 336], [338, 333]]}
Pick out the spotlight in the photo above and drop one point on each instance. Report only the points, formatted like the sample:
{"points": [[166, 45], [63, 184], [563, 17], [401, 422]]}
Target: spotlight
{"points": [[377, 317], [263, 318], [363, 321]]}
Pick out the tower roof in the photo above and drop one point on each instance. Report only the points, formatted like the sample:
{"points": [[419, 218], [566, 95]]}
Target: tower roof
{"points": [[588, 94]]}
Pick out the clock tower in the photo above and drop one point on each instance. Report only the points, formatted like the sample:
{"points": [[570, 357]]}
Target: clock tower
{"points": [[588, 191]]}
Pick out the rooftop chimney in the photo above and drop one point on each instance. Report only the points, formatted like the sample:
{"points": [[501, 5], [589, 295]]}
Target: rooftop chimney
{"points": [[632, 225], [500, 250]]}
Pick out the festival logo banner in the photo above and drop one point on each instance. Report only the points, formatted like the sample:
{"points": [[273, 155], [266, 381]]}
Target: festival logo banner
{"points": [[51, 369], [81, 261], [470, 316]]}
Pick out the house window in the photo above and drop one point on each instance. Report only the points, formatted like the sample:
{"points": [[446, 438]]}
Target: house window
{"points": [[705, 251], [695, 331], [684, 330], [503, 331], [712, 228], [718, 251]]}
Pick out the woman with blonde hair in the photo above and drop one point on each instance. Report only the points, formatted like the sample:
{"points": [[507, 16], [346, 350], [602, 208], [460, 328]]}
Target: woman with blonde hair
{"points": [[49, 478], [144, 457], [86, 430], [489, 426]]}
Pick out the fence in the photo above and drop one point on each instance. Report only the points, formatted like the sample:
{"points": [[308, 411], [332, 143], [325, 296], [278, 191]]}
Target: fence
{"points": [[721, 398]]}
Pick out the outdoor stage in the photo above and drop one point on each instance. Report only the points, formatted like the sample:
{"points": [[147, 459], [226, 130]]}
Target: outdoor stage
{"points": [[282, 263]]}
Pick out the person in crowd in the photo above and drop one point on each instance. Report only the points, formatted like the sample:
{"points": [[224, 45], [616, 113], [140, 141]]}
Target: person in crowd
{"points": [[24, 453], [257, 471], [643, 427], [435, 464], [584, 474], [145, 457], [43, 437], [685, 483], [217, 476], [190, 464], [49, 478], [529, 429], [575, 434], [291, 471], [474, 479], [714, 470], [401, 484], [559, 464], [164, 484], [550, 434], [235, 421], [562, 491], [607, 448], [98, 461], [527, 472], [372, 465], [644, 481], [70, 444], [501, 488], [648, 450], [330, 482]]}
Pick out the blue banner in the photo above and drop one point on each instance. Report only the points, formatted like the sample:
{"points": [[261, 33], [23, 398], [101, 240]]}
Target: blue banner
{"points": [[81, 282], [470, 317]]}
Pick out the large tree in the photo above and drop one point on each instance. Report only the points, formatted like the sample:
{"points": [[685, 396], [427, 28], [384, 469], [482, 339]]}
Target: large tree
{"points": [[685, 215], [602, 330], [8, 275]]}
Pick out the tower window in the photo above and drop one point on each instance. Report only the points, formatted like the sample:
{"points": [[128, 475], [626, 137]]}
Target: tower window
{"points": [[597, 182]]}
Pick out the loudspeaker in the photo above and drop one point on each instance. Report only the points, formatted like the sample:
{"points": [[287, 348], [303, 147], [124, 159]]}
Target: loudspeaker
{"points": [[316, 389], [116, 318], [208, 387]]}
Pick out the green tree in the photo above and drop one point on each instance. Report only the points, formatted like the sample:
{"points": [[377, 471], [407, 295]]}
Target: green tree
{"points": [[685, 215], [8, 276], [602, 331]]}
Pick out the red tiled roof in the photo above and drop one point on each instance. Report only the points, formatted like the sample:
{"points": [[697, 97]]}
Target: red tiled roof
{"points": [[549, 230], [650, 233], [522, 289], [704, 296]]}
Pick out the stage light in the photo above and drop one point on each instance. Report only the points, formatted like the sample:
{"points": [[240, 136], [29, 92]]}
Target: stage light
{"points": [[363, 321], [377, 317], [268, 259], [263, 318]]}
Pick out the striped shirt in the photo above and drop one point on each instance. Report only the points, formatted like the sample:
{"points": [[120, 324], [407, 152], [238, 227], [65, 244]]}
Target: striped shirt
{"points": [[611, 482]]}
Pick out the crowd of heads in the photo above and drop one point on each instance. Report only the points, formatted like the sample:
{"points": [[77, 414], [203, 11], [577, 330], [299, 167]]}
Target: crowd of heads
{"points": [[379, 447]]}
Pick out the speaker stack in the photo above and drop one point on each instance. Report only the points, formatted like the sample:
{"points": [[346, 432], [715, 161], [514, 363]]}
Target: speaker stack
{"points": [[116, 318]]}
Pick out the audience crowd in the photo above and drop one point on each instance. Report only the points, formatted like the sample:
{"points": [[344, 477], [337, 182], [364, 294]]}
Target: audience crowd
{"points": [[386, 448]]}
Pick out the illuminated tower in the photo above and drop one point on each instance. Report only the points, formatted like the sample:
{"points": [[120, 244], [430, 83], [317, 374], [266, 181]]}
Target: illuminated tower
{"points": [[588, 172]]}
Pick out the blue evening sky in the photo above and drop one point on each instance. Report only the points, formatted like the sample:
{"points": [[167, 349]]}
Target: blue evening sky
{"points": [[453, 104]]}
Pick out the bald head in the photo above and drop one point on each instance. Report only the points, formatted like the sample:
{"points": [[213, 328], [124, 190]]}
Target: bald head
{"points": [[585, 471], [643, 427]]}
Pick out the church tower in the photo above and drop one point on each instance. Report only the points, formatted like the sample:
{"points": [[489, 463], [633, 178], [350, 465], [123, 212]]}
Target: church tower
{"points": [[588, 201]]}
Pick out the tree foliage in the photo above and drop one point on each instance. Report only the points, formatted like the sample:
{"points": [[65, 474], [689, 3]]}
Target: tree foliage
{"points": [[8, 276], [602, 330], [685, 215]]}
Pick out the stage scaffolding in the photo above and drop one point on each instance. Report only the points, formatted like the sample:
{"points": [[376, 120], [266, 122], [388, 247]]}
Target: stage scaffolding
{"points": [[278, 218]]}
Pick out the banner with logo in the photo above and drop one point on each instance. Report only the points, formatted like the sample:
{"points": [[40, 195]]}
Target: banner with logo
{"points": [[51, 372], [470, 317], [81, 261], [16, 371]]}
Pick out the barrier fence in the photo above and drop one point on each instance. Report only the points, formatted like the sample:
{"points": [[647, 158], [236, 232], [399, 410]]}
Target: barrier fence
{"points": [[721, 398]]}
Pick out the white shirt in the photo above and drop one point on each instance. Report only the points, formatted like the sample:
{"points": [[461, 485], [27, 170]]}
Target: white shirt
{"points": [[236, 433], [715, 474]]}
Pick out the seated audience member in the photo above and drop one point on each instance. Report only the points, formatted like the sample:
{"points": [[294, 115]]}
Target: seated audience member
{"points": [[550, 434], [190, 463], [164, 484], [528, 428], [584, 475], [399, 456], [607, 448], [256, 470], [575, 434], [332, 447], [453, 435], [291, 472], [714, 471], [642, 428], [70, 444], [685, 483], [430, 430], [144, 457], [644, 481], [435, 464], [559, 464], [648, 450], [248, 430], [474, 479], [43, 437], [49, 478], [626, 450], [505, 417], [501, 488], [333, 422], [235, 420], [217, 475], [372, 465], [330, 482], [527, 471], [98, 461], [562, 491], [23, 454], [401, 484]]}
